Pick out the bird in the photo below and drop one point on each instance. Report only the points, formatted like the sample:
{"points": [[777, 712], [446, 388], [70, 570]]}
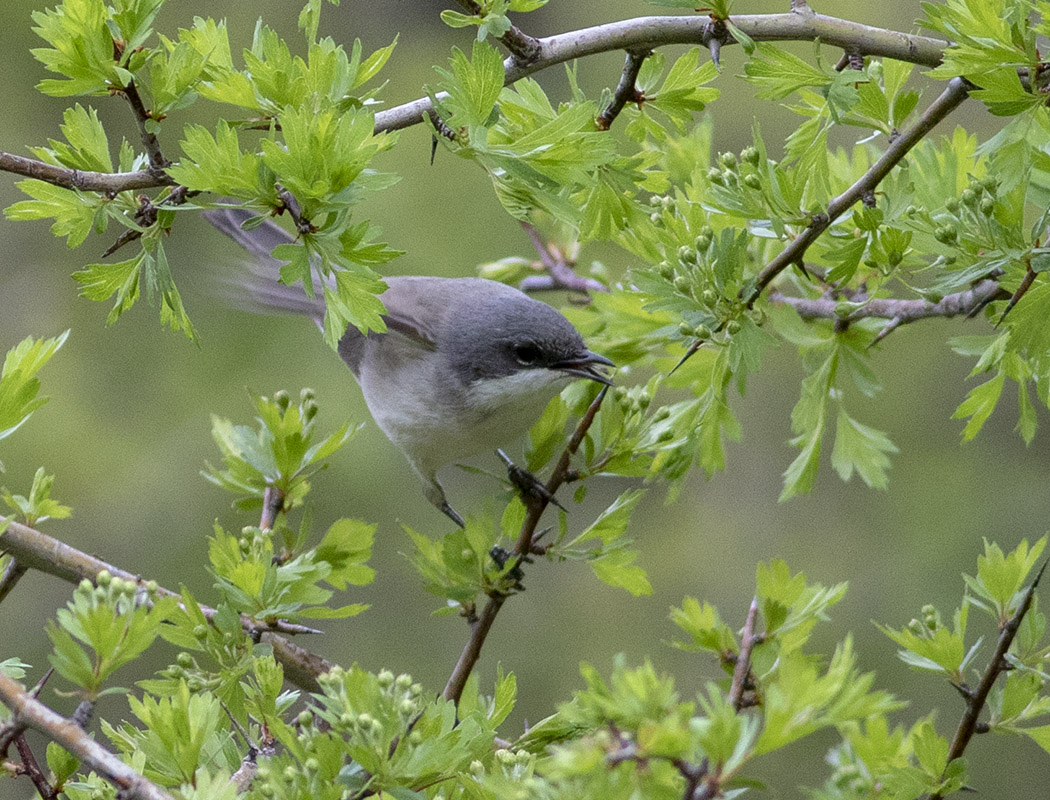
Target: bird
{"points": [[465, 365]]}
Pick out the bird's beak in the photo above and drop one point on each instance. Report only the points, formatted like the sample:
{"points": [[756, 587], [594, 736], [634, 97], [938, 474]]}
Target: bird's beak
{"points": [[583, 366]]}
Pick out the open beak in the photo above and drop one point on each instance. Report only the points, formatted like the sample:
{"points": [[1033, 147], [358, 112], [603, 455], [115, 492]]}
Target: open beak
{"points": [[584, 367]]}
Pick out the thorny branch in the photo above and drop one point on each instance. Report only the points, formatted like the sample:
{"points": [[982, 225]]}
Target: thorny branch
{"points": [[957, 91], [633, 35], [30, 713], [976, 700], [742, 668], [35, 550], [535, 505]]}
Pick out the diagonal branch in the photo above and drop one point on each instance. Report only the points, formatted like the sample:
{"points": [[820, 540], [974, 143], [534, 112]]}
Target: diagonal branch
{"points": [[559, 266], [31, 713], [957, 91], [35, 550], [523, 48], [742, 668], [626, 91], [998, 665], [535, 505], [157, 161]]}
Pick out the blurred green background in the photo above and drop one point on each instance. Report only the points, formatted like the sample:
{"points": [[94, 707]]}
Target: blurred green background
{"points": [[127, 429]]}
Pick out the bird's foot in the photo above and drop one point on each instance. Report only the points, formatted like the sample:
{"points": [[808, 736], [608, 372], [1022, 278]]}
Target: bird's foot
{"points": [[527, 484], [450, 512]]}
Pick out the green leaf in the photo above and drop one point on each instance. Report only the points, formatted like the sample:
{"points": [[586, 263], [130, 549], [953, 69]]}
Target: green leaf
{"points": [[19, 385], [860, 448], [81, 49], [474, 86], [346, 547], [102, 281], [779, 73], [616, 568], [979, 405], [38, 507], [75, 213]]}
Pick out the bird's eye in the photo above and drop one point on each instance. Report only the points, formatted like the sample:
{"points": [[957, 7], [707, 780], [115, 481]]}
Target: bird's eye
{"points": [[527, 354]]}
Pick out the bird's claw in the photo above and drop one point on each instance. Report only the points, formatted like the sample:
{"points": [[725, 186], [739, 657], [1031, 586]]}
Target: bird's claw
{"points": [[527, 484]]}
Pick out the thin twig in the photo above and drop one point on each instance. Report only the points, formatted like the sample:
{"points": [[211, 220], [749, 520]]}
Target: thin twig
{"points": [[295, 211], [534, 508], [109, 183], [626, 91], [1022, 290], [157, 161], [560, 274], [13, 573], [33, 714], [38, 551], [523, 47], [958, 90], [273, 505], [968, 725], [742, 668], [32, 769]]}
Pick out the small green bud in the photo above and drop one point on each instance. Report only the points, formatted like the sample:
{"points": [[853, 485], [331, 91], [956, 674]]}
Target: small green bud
{"points": [[871, 263], [310, 411], [152, 587], [415, 738], [969, 198], [656, 218], [667, 202], [894, 257], [103, 578], [200, 631], [385, 678], [281, 398], [702, 332], [290, 773], [875, 70], [666, 435], [85, 586], [406, 707], [752, 181], [683, 285], [715, 176], [686, 254], [990, 185], [916, 627], [311, 765], [415, 690], [365, 720], [728, 160], [403, 681], [709, 296], [305, 718], [987, 206], [667, 272], [662, 413], [911, 211], [702, 242], [685, 329], [655, 200], [306, 395], [708, 232], [347, 720], [244, 544], [751, 155], [952, 205], [946, 234], [729, 177], [644, 400], [184, 660], [950, 259], [195, 684], [505, 756], [732, 327]]}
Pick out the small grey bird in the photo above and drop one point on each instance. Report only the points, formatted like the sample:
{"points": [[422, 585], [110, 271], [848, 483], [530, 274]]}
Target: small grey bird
{"points": [[466, 364]]}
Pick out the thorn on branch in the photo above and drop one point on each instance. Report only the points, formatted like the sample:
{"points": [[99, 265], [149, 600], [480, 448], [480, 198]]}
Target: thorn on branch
{"points": [[715, 34], [295, 211]]}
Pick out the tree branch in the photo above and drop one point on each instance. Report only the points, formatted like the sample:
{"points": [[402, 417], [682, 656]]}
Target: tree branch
{"points": [[157, 161], [560, 274], [535, 505], [32, 769], [30, 713], [633, 35], [35, 550], [109, 183], [975, 703], [523, 47], [899, 312], [13, 573], [626, 91], [957, 91], [742, 668], [646, 33]]}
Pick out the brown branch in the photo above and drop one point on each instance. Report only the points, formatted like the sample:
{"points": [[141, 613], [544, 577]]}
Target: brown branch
{"points": [[899, 312], [109, 183], [958, 90], [32, 769], [560, 274], [535, 505], [33, 714], [626, 91], [273, 505], [968, 725], [742, 668], [157, 161], [13, 573], [295, 211], [35, 550], [523, 47]]}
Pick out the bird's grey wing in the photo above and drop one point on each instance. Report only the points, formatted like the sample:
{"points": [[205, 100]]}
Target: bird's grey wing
{"points": [[415, 307], [259, 241]]}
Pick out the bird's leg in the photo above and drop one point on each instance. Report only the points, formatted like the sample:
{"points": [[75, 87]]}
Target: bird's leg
{"points": [[436, 495], [527, 483]]}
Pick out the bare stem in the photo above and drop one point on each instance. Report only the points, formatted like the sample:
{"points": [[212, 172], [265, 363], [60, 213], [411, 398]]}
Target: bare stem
{"points": [[109, 183], [626, 91], [957, 91], [560, 273], [742, 668], [535, 504], [32, 714], [157, 161], [998, 665]]}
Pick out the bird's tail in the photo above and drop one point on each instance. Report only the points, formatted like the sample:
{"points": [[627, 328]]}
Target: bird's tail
{"points": [[258, 289]]}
